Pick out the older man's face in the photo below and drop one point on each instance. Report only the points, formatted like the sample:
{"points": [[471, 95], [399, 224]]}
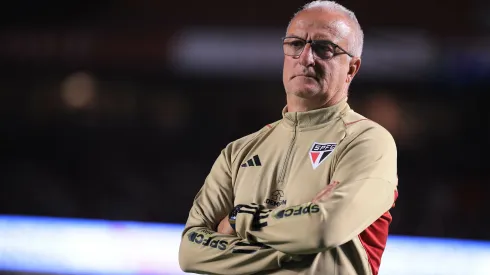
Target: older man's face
{"points": [[309, 76]]}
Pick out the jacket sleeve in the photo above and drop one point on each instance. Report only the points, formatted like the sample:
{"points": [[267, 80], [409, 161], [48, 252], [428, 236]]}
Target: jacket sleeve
{"points": [[364, 181], [203, 250]]}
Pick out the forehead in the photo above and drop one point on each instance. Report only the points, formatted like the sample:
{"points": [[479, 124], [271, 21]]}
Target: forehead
{"points": [[319, 23]]}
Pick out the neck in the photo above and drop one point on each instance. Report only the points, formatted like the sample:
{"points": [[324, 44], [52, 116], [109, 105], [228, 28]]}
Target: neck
{"points": [[299, 104]]}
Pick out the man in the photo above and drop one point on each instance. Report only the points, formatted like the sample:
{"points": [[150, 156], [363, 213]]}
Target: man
{"points": [[310, 193]]}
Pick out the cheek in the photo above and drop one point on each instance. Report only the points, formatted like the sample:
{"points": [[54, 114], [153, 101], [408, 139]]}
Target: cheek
{"points": [[288, 64], [328, 72], [287, 68], [333, 73]]}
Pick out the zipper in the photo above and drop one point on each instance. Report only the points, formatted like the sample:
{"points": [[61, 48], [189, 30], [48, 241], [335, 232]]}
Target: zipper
{"points": [[288, 155]]}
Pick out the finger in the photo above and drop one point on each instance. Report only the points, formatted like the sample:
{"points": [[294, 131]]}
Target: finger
{"points": [[322, 193], [325, 192]]}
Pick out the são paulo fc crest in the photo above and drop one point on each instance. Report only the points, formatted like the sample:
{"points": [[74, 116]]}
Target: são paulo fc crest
{"points": [[319, 152]]}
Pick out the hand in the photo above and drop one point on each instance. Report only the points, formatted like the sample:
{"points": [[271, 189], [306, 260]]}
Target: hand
{"points": [[224, 227], [325, 192]]}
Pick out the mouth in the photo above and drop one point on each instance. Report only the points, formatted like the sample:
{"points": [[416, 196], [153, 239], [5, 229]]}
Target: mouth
{"points": [[307, 76]]}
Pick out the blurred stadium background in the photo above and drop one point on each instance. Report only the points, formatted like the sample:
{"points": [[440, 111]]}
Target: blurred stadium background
{"points": [[113, 112]]}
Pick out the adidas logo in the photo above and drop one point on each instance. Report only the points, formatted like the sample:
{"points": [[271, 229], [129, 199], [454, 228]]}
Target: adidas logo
{"points": [[254, 161]]}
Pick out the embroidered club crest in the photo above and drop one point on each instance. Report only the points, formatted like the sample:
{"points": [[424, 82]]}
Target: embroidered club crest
{"points": [[319, 152]]}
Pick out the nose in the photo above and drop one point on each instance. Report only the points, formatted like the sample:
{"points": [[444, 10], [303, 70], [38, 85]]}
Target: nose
{"points": [[306, 57]]}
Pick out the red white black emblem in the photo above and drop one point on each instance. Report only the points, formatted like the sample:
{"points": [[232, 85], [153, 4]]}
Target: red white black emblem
{"points": [[319, 152]]}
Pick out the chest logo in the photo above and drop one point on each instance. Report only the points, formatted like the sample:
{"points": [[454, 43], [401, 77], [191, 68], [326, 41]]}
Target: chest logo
{"points": [[319, 152], [254, 161], [276, 199]]}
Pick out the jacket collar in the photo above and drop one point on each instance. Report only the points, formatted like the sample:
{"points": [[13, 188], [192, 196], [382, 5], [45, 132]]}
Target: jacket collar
{"points": [[312, 118]]}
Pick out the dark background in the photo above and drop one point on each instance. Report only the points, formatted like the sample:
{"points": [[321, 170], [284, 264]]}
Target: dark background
{"points": [[117, 109]]}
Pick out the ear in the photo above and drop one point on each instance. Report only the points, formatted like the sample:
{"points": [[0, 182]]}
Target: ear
{"points": [[354, 66]]}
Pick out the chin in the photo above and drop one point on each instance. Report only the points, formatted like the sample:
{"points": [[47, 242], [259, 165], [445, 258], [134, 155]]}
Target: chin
{"points": [[305, 86], [306, 91]]}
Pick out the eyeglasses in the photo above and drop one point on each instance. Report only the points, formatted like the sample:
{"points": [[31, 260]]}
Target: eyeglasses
{"points": [[323, 49]]}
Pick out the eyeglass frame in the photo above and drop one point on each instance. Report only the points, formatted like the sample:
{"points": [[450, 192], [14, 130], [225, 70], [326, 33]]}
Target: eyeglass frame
{"points": [[312, 43]]}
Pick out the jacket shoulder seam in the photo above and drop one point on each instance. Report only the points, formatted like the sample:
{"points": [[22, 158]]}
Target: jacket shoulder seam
{"points": [[253, 137]]}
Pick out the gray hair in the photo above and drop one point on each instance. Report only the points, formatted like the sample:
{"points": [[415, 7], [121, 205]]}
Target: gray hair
{"points": [[356, 46]]}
